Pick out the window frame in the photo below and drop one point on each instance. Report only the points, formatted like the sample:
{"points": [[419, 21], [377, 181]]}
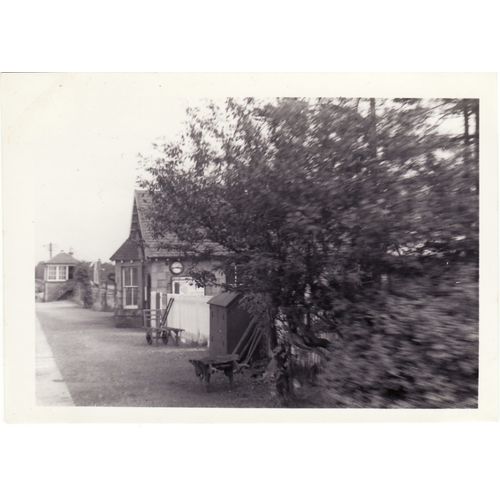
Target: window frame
{"points": [[58, 275], [133, 287]]}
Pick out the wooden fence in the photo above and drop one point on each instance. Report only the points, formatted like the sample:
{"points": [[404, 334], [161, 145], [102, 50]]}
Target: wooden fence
{"points": [[189, 312]]}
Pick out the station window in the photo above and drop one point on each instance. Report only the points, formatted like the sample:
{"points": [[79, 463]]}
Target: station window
{"points": [[130, 285]]}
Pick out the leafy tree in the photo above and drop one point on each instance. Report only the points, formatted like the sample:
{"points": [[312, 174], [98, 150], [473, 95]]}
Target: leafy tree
{"points": [[315, 202], [81, 284], [40, 270]]}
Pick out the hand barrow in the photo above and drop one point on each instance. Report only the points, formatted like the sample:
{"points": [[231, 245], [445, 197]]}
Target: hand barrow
{"points": [[155, 323], [206, 366], [232, 363]]}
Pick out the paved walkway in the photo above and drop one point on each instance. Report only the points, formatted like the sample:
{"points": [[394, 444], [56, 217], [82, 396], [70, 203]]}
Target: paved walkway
{"points": [[106, 366], [50, 386]]}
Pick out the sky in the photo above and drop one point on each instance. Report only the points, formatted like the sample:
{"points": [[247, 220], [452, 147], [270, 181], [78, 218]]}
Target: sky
{"points": [[85, 137], [82, 134]]}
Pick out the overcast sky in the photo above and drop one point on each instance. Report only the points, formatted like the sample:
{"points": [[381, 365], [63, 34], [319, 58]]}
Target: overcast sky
{"points": [[85, 138], [82, 134]]}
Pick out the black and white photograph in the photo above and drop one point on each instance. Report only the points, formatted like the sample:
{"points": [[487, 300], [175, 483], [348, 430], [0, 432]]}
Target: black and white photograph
{"points": [[249, 249], [252, 252]]}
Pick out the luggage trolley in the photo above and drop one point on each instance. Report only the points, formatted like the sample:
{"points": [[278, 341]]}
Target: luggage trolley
{"points": [[155, 323]]}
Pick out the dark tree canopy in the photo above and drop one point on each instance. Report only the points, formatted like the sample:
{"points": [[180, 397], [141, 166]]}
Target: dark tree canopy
{"points": [[317, 200]]}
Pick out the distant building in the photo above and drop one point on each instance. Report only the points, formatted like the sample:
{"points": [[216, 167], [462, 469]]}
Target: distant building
{"points": [[58, 274], [102, 272]]}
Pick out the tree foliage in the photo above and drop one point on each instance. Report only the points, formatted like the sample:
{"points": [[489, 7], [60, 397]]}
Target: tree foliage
{"points": [[82, 286], [316, 202]]}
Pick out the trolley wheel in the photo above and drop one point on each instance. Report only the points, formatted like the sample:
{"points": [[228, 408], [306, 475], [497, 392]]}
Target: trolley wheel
{"points": [[164, 338]]}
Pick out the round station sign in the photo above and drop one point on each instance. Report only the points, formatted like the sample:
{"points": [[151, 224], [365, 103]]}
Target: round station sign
{"points": [[176, 267]]}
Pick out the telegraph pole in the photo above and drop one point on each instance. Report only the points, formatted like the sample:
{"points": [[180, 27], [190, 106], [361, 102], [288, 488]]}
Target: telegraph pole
{"points": [[50, 249]]}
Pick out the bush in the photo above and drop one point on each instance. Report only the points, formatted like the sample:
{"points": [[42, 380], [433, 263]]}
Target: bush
{"points": [[414, 345], [82, 279]]}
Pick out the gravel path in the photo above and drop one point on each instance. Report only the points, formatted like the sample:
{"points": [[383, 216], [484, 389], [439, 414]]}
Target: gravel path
{"points": [[106, 366]]}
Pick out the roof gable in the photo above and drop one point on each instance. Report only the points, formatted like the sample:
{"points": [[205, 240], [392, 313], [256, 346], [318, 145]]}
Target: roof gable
{"points": [[224, 299], [63, 258], [129, 250], [167, 246]]}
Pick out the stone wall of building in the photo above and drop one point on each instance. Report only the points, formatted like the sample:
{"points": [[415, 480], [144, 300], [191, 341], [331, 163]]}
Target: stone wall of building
{"points": [[129, 318], [161, 276], [158, 273], [54, 290]]}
